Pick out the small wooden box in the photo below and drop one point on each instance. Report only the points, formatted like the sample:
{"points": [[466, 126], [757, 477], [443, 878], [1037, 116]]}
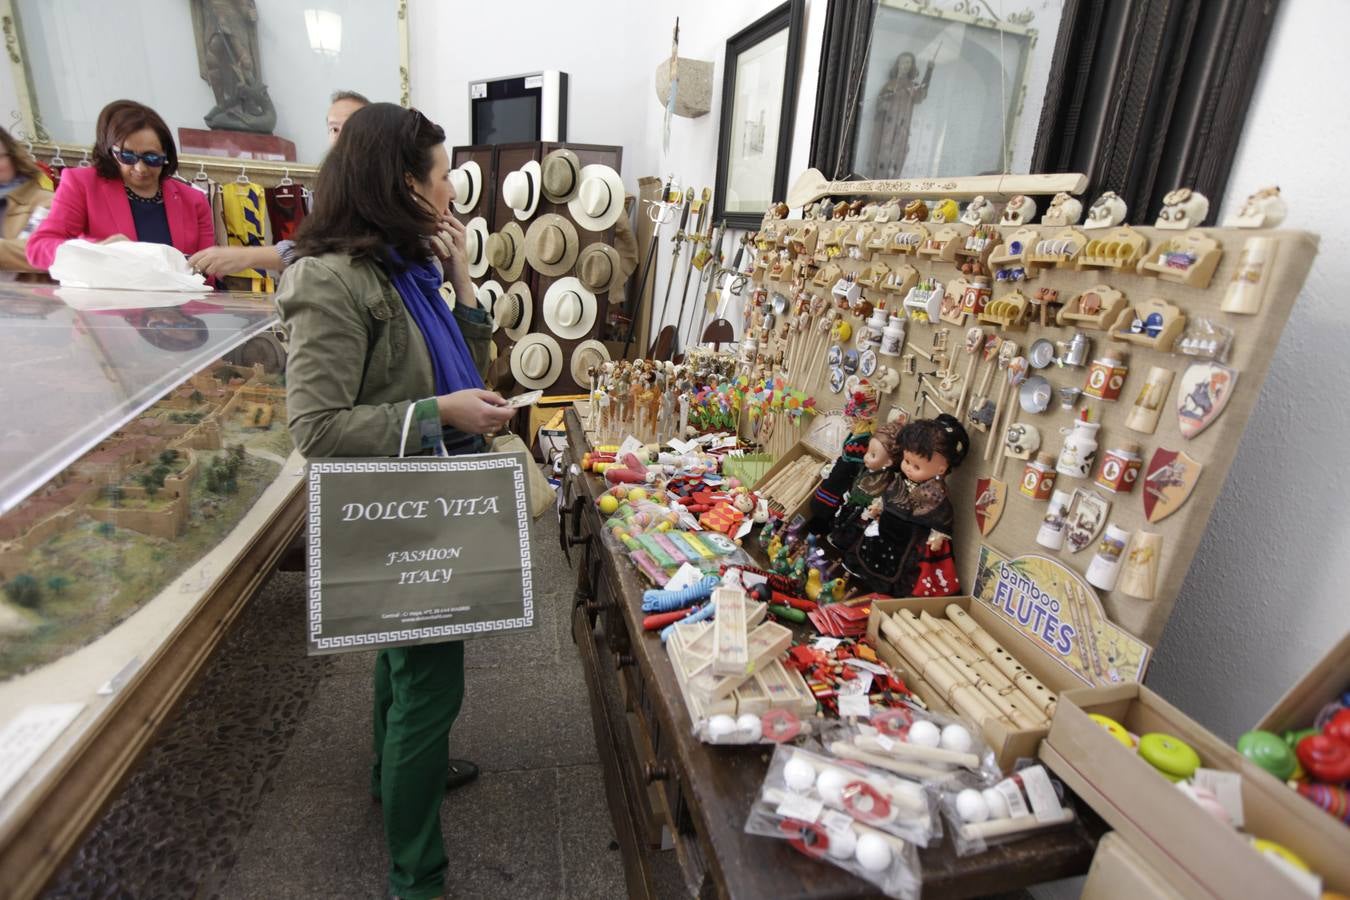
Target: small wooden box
{"points": [[798, 450], [1325, 681], [1199, 856]]}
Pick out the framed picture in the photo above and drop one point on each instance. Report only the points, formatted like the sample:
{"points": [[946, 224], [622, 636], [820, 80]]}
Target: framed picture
{"points": [[759, 98]]}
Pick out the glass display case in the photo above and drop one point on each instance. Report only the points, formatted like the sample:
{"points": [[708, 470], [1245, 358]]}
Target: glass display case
{"points": [[147, 483]]}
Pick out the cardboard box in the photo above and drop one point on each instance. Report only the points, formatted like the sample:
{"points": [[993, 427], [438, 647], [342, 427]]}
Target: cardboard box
{"points": [[1198, 855], [1120, 872], [1009, 744], [1325, 681]]}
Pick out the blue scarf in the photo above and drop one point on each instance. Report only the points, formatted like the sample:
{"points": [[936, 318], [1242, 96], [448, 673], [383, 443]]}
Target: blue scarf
{"points": [[419, 283]]}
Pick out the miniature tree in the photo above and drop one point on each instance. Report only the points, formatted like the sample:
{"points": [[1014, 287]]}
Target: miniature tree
{"points": [[197, 397], [106, 529], [159, 473], [57, 584], [168, 457], [114, 494], [24, 590], [147, 481], [257, 415]]}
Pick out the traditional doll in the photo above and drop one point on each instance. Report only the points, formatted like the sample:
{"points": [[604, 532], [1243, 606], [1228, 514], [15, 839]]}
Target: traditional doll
{"points": [[861, 411], [878, 471], [914, 517]]}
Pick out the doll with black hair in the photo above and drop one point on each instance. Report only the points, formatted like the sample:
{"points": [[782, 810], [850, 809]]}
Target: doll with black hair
{"points": [[879, 468], [906, 552], [861, 413]]}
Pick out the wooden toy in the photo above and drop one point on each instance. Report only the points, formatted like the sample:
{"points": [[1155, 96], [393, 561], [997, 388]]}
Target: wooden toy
{"points": [[1139, 574], [942, 244], [1010, 312], [1096, 307], [1172, 757], [1120, 248], [909, 237], [1189, 259], [1016, 244], [1148, 404]]}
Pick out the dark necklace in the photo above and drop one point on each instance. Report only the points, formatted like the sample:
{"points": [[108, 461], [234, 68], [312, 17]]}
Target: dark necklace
{"points": [[137, 198]]}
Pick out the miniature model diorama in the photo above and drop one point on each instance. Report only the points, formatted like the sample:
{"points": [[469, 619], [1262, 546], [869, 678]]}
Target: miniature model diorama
{"points": [[88, 548]]}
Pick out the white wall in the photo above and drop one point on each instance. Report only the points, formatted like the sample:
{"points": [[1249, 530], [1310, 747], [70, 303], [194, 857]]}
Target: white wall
{"points": [[1265, 595]]}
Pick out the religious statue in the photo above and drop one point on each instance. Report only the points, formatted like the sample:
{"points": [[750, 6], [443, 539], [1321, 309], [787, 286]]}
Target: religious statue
{"points": [[226, 32], [895, 113]]}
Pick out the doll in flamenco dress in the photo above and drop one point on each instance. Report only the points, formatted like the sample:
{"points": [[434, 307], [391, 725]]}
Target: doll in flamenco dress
{"points": [[905, 550], [861, 412], [878, 471]]}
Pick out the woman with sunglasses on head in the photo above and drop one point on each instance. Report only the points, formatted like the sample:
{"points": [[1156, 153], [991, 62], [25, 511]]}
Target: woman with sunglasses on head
{"points": [[379, 364], [127, 195]]}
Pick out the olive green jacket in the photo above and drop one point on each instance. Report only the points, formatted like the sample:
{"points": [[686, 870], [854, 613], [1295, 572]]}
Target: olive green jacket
{"points": [[357, 360]]}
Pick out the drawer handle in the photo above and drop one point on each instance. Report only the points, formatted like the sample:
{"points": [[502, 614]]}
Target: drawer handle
{"points": [[655, 771], [622, 660]]}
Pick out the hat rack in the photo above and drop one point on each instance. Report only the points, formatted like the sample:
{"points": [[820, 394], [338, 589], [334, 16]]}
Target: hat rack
{"points": [[220, 166]]}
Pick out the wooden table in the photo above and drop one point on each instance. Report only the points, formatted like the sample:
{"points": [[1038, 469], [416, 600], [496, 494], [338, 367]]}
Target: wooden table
{"points": [[669, 791]]}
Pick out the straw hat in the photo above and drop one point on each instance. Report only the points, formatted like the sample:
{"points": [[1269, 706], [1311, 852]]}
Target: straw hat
{"points": [[586, 355], [599, 200], [513, 311], [536, 362], [600, 269], [569, 309], [488, 293], [551, 244], [467, 180], [475, 246], [506, 251], [520, 190], [560, 173]]}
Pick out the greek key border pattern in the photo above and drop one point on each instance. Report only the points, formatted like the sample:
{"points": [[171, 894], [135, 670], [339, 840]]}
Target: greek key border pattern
{"points": [[319, 468]]}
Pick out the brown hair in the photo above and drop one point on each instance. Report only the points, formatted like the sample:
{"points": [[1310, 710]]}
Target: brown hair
{"points": [[23, 163], [121, 118], [362, 203]]}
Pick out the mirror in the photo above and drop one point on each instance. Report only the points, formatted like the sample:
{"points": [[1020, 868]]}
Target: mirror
{"points": [[238, 78]]}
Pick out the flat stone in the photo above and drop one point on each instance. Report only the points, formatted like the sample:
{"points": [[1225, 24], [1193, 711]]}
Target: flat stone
{"points": [[592, 865], [525, 718]]}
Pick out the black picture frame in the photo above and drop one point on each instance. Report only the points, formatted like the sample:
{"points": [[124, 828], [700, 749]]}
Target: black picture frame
{"points": [[790, 17]]}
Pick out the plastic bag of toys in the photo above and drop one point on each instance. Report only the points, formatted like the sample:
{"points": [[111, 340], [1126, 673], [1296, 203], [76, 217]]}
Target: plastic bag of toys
{"points": [[846, 816], [980, 815], [917, 744]]}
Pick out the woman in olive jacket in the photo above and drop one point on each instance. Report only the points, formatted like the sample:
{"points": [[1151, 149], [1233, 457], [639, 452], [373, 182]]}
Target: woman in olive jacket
{"points": [[374, 346]]}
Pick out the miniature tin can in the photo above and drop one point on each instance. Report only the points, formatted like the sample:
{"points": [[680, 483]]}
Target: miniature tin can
{"points": [[976, 295], [1105, 378], [893, 336], [1120, 469], [1038, 478]]}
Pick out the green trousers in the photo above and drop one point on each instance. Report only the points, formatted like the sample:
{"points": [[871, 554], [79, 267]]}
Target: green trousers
{"points": [[418, 692]]}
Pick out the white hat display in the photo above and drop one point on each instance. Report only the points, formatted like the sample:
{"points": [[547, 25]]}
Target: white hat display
{"points": [[475, 246], [506, 251], [536, 361], [569, 309], [586, 355], [513, 311], [520, 190], [599, 200], [488, 293], [467, 180]]}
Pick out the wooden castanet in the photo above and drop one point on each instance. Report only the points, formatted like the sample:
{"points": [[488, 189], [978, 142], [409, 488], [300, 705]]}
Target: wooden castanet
{"points": [[1006, 662]]}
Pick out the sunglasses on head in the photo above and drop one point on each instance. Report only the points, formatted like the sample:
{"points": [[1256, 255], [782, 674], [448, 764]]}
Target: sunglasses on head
{"points": [[130, 158]]}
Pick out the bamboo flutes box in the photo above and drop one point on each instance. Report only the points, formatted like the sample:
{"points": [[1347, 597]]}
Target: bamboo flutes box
{"points": [[787, 460], [1199, 855], [1008, 742]]}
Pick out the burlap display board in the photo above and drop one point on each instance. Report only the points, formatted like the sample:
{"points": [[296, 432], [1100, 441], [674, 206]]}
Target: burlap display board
{"points": [[1253, 344]]}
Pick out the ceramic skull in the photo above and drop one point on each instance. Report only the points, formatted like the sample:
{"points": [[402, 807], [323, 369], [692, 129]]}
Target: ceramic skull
{"points": [[979, 211], [916, 211], [945, 211], [1264, 209], [1183, 208], [1020, 210], [1063, 210], [1107, 211]]}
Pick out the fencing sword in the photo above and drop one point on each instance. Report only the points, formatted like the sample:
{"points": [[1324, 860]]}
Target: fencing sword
{"points": [[695, 238], [678, 241], [660, 213], [713, 267]]}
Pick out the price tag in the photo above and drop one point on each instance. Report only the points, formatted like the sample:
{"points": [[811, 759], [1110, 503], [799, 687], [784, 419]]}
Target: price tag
{"points": [[478, 90], [860, 685], [796, 806], [1044, 801], [836, 822], [1012, 795], [685, 576], [854, 705], [750, 579], [866, 666], [630, 445], [728, 441], [681, 447], [1227, 786], [826, 643]]}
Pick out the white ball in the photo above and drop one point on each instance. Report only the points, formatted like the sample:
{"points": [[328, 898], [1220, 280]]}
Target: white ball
{"points": [[970, 806], [830, 785], [843, 843], [799, 774], [721, 727], [997, 803], [924, 734], [956, 738], [749, 727], [873, 853]]}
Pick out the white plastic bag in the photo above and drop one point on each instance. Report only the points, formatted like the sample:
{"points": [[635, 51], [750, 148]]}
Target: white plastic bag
{"points": [[124, 265]]}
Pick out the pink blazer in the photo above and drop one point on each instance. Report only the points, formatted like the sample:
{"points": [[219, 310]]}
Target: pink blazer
{"points": [[91, 207]]}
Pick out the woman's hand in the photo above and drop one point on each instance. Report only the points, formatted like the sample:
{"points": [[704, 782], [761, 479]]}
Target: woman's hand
{"points": [[450, 246], [219, 261], [936, 540], [474, 411]]}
